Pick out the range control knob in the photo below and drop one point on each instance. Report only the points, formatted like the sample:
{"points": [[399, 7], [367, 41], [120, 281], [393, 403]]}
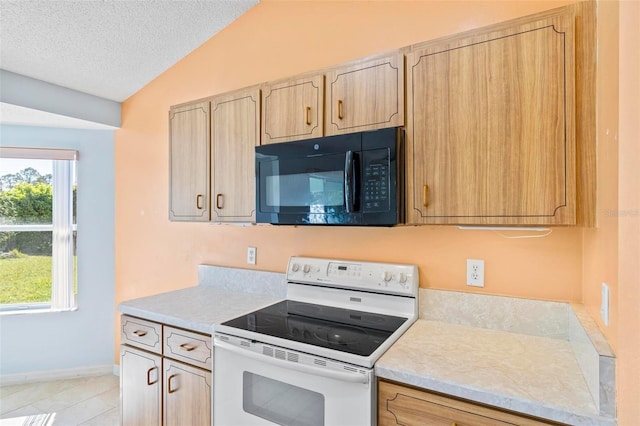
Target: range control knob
{"points": [[306, 269], [295, 267], [403, 277], [387, 276]]}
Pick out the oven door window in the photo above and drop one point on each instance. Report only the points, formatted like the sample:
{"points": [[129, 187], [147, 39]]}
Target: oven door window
{"points": [[303, 185], [280, 402]]}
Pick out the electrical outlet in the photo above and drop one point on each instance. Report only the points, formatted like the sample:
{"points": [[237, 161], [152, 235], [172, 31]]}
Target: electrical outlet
{"points": [[251, 255], [604, 304], [475, 272]]}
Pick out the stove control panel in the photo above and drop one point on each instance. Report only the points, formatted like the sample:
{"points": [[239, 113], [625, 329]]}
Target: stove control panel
{"points": [[369, 276]]}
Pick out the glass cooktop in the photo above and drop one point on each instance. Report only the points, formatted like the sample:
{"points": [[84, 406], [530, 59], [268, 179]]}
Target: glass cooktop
{"points": [[345, 330]]}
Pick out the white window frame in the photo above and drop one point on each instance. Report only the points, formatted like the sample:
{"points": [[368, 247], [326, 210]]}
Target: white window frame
{"points": [[62, 227]]}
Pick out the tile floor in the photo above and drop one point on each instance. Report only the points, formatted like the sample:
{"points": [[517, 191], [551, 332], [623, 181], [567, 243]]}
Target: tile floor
{"points": [[73, 402]]}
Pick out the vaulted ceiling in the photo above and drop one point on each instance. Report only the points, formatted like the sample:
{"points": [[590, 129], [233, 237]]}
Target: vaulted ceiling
{"points": [[110, 49]]}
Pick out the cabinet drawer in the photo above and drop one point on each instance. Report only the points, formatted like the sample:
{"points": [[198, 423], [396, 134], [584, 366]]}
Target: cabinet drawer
{"points": [[141, 333], [189, 347], [409, 406]]}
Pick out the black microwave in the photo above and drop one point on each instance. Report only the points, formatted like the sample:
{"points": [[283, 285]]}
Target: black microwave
{"points": [[354, 180]]}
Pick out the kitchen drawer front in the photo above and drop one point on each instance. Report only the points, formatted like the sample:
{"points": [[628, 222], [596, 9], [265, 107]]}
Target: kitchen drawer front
{"points": [[141, 333], [186, 346], [398, 404]]}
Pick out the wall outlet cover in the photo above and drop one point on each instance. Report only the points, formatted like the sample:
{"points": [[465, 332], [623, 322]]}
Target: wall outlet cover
{"points": [[475, 272]]}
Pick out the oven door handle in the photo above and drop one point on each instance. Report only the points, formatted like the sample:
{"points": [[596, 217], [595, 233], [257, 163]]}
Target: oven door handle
{"points": [[303, 368], [349, 195]]}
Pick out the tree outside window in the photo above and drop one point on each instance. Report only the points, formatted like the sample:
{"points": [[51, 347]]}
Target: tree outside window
{"points": [[37, 229]]}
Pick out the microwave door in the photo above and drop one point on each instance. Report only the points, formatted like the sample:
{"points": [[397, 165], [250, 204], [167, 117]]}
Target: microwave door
{"points": [[305, 190]]}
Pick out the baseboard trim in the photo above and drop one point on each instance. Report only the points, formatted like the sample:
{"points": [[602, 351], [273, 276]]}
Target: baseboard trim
{"points": [[43, 376]]}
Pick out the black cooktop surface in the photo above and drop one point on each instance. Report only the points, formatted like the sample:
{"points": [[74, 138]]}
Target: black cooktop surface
{"points": [[345, 330]]}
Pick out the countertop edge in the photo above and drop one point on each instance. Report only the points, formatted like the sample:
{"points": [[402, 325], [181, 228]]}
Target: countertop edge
{"points": [[500, 401]]}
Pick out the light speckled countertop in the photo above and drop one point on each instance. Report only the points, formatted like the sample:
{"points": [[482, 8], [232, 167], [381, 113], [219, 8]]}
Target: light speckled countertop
{"points": [[222, 293], [195, 308], [534, 375]]}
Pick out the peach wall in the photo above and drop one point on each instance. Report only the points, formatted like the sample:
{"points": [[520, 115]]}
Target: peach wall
{"points": [[277, 39], [628, 301], [601, 242]]}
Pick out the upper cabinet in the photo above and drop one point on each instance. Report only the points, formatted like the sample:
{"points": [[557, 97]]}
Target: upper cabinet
{"points": [[366, 96], [490, 129], [235, 132], [189, 162], [293, 110]]}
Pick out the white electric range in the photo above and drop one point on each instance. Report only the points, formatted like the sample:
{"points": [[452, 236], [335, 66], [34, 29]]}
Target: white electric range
{"points": [[308, 359]]}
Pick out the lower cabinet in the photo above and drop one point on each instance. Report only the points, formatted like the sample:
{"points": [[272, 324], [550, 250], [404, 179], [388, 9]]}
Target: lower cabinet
{"points": [[187, 395], [140, 387], [404, 405], [166, 384]]}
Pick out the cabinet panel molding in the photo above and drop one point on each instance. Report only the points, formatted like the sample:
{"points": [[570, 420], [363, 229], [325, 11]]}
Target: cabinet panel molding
{"points": [[235, 132], [491, 128], [189, 168], [404, 405], [293, 110], [140, 387], [187, 395], [366, 96]]}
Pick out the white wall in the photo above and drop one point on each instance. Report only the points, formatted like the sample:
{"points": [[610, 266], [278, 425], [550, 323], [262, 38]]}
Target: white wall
{"points": [[46, 342], [27, 92]]}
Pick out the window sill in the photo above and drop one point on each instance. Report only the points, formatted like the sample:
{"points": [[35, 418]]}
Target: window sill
{"points": [[33, 308]]}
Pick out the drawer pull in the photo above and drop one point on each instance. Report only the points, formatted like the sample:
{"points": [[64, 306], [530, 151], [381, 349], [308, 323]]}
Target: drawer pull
{"points": [[308, 118], [170, 390], [149, 382], [199, 198], [425, 195], [187, 347], [340, 116], [219, 201], [140, 333]]}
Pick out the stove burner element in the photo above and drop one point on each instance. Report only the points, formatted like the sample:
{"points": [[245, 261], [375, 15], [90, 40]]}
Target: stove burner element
{"points": [[339, 336]]}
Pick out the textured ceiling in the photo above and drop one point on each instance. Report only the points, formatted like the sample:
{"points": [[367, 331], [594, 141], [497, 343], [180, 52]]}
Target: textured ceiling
{"points": [[109, 49]]}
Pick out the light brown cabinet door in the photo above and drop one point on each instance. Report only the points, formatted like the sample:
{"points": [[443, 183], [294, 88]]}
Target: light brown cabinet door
{"points": [[490, 134], [187, 395], [189, 162], [402, 405], [235, 132], [366, 96], [293, 110], [140, 387]]}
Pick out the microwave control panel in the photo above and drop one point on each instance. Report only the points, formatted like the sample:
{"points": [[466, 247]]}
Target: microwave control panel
{"points": [[375, 176]]}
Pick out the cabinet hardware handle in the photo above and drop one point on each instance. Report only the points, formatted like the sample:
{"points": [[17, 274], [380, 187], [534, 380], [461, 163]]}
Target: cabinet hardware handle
{"points": [[140, 333], [308, 119], [199, 197], [169, 383], [187, 347], [219, 198], [340, 116], [454, 424], [149, 382], [425, 195]]}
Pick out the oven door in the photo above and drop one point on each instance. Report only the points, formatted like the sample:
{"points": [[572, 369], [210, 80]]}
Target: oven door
{"points": [[255, 389], [309, 182]]}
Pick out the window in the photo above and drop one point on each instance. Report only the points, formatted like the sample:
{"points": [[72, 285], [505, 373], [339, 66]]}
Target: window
{"points": [[37, 229]]}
